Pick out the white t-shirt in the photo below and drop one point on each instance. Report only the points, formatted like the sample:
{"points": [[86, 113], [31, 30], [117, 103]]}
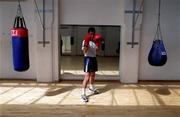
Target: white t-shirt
{"points": [[91, 49]]}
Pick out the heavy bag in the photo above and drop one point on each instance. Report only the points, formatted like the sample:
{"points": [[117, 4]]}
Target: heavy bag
{"points": [[20, 44], [157, 55]]}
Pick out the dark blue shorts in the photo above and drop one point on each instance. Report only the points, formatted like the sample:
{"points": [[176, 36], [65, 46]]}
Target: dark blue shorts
{"points": [[90, 64]]}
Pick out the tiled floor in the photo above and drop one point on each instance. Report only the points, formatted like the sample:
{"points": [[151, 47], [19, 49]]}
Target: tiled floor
{"points": [[31, 99]]}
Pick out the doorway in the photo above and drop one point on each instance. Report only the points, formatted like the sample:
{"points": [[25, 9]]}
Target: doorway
{"points": [[71, 58]]}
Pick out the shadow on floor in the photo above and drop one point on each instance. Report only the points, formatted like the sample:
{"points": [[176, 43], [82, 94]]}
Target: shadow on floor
{"points": [[56, 91], [106, 88], [163, 91], [103, 89]]}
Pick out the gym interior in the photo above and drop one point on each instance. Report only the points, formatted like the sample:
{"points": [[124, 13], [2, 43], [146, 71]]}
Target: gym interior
{"points": [[135, 77]]}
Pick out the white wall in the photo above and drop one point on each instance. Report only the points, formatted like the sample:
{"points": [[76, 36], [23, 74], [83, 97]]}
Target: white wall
{"points": [[87, 12], [95, 12], [170, 20], [7, 15], [178, 14]]}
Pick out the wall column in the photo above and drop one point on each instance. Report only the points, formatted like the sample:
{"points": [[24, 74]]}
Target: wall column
{"points": [[129, 56], [47, 40]]}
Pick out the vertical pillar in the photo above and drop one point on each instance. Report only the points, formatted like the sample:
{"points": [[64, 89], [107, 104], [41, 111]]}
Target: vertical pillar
{"points": [[47, 40], [129, 58]]}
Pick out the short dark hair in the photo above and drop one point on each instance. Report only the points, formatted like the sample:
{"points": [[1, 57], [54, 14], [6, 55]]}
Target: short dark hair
{"points": [[91, 29]]}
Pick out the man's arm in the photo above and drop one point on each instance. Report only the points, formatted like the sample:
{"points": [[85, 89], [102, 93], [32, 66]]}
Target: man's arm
{"points": [[97, 48], [85, 49]]}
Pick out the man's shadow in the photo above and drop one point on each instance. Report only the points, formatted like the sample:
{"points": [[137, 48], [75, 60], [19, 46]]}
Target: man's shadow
{"points": [[102, 90], [55, 91]]}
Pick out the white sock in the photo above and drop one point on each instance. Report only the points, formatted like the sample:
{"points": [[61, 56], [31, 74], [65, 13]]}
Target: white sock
{"points": [[83, 91], [91, 86]]}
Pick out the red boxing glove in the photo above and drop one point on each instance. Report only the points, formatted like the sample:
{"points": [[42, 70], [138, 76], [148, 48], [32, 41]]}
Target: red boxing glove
{"points": [[87, 38], [97, 39]]}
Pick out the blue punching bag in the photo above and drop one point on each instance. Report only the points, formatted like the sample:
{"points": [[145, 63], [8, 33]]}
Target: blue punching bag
{"points": [[20, 47], [157, 55]]}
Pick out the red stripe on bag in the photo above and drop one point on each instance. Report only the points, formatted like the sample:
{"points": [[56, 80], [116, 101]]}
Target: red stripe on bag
{"points": [[19, 32]]}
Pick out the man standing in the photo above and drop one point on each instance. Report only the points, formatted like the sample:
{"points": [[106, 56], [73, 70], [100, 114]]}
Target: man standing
{"points": [[89, 48]]}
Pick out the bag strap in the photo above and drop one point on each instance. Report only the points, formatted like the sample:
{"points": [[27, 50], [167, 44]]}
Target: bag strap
{"points": [[19, 22]]}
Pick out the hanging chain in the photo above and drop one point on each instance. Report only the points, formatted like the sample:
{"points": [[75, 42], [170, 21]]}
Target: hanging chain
{"points": [[19, 17], [158, 34], [19, 10]]}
